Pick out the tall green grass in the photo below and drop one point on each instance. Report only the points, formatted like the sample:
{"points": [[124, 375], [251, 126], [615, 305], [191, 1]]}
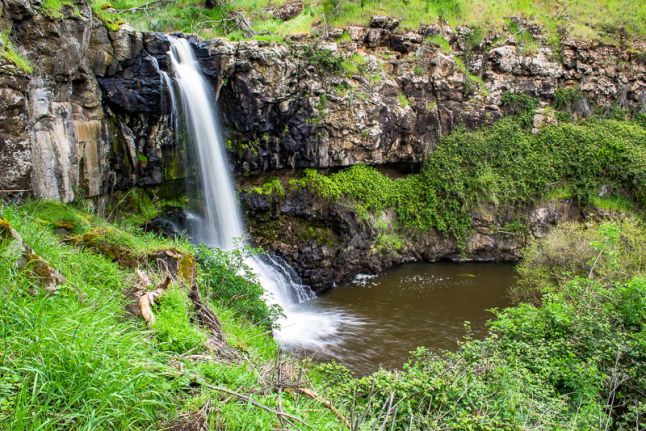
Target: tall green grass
{"points": [[72, 360], [76, 360]]}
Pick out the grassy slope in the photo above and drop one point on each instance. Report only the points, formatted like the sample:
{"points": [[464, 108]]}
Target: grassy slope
{"points": [[603, 19], [75, 360]]}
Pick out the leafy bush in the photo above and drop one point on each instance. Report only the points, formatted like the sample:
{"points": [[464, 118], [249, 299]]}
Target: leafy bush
{"points": [[440, 41], [504, 165], [607, 252], [272, 187], [53, 8], [231, 282], [388, 242], [354, 65], [403, 100], [323, 59], [521, 105], [566, 98]]}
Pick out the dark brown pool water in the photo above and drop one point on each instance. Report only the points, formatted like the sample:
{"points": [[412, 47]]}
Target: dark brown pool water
{"points": [[422, 304]]}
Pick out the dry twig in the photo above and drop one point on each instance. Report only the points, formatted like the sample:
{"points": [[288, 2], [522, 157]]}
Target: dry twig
{"points": [[313, 395]]}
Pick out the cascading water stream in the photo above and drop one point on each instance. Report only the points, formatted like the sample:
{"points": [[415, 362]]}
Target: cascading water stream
{"points": [[220, 224]]}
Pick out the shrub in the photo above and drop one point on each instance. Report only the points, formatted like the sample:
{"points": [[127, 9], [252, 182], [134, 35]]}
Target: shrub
{"points": [[272, 187], [403, 100], [565, 99], [322, 59], [521, 105], [440, 41], [610, 251], [231, 282], [53, 8]]}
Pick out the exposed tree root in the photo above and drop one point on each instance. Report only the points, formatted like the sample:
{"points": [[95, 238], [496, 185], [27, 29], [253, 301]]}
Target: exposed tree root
{"points": [[147, 300], [205, 316]]}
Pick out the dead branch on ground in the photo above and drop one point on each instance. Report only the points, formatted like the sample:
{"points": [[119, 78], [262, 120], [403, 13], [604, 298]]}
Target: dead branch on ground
{"points": [[256, 403]]}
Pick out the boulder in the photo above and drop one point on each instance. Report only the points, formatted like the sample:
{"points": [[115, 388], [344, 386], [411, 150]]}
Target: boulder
{"points": [[289, 10]]}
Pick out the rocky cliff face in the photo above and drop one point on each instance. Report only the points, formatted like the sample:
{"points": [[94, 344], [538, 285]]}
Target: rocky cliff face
{"points": [[58, 139], [94, 116], [376, 96]]}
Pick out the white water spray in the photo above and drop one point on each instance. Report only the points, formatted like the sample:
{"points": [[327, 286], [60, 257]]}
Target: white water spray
{"points": [[221, 223]]}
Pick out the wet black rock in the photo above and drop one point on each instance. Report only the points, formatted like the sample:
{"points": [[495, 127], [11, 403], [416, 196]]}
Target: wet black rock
{"points": [[172, 224], [137, 88]]}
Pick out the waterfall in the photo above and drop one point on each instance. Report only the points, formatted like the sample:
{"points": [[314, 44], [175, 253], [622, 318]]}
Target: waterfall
{"points": [[220, 223]]}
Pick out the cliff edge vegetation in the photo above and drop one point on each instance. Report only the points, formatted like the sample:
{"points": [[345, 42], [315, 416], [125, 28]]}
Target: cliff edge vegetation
{"points": [[608, 20]]}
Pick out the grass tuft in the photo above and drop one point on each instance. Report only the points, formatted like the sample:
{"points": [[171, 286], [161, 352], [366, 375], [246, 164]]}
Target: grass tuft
{"points": [[8, 52], [54, 8], [172, 325]]}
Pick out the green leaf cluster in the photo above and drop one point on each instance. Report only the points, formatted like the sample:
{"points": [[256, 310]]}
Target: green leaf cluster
{"points": [[504, 165], [523, 106], [272, 187]]}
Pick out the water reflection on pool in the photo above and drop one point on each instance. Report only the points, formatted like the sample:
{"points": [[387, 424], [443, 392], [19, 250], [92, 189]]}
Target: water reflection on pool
{"points": [[422, 304]]}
